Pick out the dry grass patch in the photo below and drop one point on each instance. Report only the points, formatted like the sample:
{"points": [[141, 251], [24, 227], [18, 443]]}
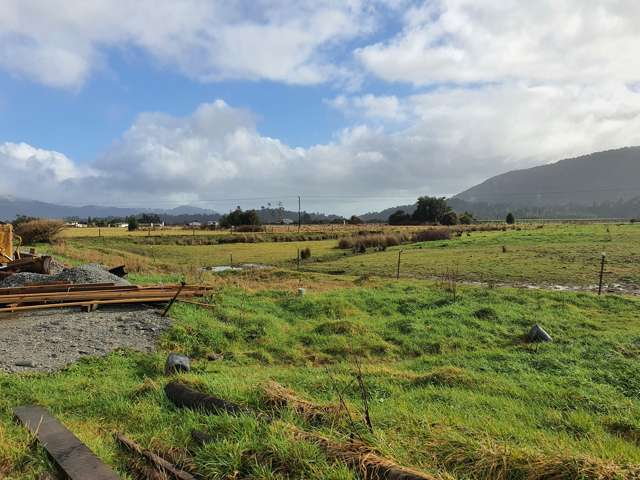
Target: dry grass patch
{"points": [[279, 396], [489, 460]]}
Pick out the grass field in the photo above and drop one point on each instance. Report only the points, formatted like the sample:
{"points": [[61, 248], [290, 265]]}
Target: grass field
{"points": [[186, 258], [454, 387], [96, 232], [555, 254]]}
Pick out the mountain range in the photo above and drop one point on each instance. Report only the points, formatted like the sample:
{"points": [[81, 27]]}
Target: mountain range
{"points": [[603, 184]]}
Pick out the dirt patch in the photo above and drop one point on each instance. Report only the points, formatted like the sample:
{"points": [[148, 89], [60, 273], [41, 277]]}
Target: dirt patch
{"points": [[46, 341]]}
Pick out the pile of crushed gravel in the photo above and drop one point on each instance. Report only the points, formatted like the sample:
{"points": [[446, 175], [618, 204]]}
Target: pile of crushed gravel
{"points": [[91, 273], [47, 341]]}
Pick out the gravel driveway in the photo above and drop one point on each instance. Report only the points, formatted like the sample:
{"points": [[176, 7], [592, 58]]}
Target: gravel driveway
{"points": [[46, 341]]}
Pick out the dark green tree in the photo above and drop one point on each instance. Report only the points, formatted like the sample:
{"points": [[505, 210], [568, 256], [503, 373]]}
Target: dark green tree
{"points": [[449, 218], [510, 218], [238, 217], [466, 218], [399, 217], [132, 221], [430, 209]]}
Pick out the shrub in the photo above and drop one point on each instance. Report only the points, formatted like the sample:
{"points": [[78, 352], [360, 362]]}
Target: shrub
{"points": [[360, 247], [466, 218], [345, 243], [34, 231], [449, 218], [305, 253], [432, 234], [399, 218], [510, 218], [132, 224], [364, 240]]}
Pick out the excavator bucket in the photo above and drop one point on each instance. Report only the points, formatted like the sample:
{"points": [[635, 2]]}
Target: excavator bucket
{"points": [[6, 243]]}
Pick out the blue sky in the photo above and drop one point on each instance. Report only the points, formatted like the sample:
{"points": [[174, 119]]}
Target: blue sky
{"points": [[355, 105]]}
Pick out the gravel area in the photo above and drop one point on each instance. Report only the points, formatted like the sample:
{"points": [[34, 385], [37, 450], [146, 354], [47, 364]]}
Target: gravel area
{"points": [[91, 273], [45, 341]]}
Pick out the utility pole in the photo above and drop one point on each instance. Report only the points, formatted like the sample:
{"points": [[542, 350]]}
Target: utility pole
{"points": [[299, 221]]}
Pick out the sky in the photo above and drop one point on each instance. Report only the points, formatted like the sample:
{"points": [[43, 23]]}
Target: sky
{"points": [[353, 105]]}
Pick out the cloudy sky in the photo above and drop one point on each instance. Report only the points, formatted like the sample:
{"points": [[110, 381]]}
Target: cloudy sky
{"points": [[354, 105]]}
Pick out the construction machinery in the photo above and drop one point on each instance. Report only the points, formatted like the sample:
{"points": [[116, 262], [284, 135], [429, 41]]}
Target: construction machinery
{"points": [[6, 243]]}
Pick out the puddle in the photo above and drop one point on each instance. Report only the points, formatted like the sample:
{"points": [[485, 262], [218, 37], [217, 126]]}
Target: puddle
{"points": [[235, 268]]}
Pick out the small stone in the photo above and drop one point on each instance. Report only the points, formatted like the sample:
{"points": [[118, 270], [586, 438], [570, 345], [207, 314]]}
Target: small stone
{"points": [[25, 363], [538, 334], [177, 363], [215, 357], [301, 292]]}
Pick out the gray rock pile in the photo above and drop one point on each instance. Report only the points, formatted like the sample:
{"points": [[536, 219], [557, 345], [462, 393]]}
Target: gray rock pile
{"points": [[91, 273]]}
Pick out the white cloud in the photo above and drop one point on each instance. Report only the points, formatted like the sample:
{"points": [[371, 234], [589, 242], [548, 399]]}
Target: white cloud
{"points": [[385, 107], [510, 84], [454, 139], [60, 43], [33, 172], [470, 41]]}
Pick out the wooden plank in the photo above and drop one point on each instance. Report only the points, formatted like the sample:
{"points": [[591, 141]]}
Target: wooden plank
{"points": [[103, 294], [71, 455], [26, 308], [161, 463]]}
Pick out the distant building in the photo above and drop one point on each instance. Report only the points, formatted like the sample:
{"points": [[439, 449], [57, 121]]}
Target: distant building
{"points": [[287, 221], [195, 224]]}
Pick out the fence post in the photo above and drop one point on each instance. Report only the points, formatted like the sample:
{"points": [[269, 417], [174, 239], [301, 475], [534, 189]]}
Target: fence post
{"points": [[298, 258], [604, 256], [398, 272], [231, 259]]}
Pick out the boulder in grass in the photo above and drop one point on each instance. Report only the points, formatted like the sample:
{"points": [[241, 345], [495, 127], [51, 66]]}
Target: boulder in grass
{"points": [[538, 334], [177, 363]]}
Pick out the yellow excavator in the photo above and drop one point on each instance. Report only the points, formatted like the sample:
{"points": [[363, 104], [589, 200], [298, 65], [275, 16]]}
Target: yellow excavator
{"points": [[6, 243]]}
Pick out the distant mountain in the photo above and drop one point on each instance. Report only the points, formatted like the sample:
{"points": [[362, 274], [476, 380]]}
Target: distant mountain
{"points": [[10, 207], [604, 185], [384, 214], [600, 178]]}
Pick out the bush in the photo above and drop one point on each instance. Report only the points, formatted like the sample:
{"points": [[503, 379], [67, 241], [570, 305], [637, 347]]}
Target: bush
{"points": [[399, 218], [510, 218], [34, 231], [449, 218], [305, 253], [466, 218], [132, 224], [432, 234], [345, 243], [364, 241]]}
